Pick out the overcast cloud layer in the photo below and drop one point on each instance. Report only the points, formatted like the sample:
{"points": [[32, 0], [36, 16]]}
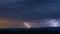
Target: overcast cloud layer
{"points": [[39, 10], [30, 8]]}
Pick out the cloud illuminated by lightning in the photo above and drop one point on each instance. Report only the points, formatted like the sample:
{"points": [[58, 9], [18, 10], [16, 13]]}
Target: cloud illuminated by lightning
{"points": [[54, 23]]}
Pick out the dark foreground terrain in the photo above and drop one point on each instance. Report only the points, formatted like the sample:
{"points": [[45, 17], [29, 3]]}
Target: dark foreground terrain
{"points": [[30, 31]]}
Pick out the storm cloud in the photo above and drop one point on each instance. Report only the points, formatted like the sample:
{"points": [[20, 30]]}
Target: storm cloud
{"points": [[30, 9], [35, 12]]}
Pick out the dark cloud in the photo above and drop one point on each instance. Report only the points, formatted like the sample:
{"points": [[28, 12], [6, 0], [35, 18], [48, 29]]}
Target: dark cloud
{"points": [[31, 9], [16, 11], [6, 1]]}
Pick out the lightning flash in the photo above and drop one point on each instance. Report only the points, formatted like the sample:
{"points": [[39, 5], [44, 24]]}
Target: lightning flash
{"points": [[27, 25]]}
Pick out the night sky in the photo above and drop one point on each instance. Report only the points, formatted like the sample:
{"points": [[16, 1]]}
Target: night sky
{"points": [[37, 13]]}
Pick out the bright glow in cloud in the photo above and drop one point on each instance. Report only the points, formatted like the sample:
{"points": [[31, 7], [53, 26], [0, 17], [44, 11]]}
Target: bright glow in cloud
{"points": [[27, 25], [53, 23]]}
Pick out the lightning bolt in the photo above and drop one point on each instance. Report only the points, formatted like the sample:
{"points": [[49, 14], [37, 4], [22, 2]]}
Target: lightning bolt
{"points": [[27, 25]]}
